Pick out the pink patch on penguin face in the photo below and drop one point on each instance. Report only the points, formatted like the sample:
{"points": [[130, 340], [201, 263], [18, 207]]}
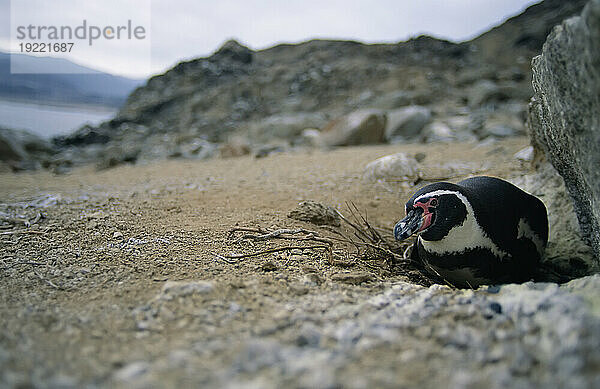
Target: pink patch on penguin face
{"points": [[427, 216], [426, 221]]}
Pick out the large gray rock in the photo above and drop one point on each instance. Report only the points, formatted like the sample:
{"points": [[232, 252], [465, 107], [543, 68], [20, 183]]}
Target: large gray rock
{"points": [[364, 126], [565, 112], [483, 92], [407, 122]]}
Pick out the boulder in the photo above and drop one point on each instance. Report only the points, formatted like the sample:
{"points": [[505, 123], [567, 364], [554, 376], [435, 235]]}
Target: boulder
{"points": [[407, 122], [501, 125], [284, 126], [483, 92], [565, 112], [438, 132], [366, 126], [392, 168]]}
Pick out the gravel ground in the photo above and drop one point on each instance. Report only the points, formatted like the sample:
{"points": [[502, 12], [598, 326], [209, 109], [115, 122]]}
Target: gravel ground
{"points": [[120, 282]]}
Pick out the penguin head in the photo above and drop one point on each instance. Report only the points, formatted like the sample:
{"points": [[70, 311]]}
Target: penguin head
{"points": [[433, 211]]}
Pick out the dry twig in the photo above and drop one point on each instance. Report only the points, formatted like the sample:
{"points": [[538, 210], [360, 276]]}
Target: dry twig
{"points": [[268, 251], [47, 281]]}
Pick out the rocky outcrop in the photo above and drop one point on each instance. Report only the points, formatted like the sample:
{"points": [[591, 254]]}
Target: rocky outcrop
{"points": [[565, 113]]}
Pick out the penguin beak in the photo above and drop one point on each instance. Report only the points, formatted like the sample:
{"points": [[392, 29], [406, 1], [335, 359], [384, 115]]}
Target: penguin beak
{"points": [[412, 223]]}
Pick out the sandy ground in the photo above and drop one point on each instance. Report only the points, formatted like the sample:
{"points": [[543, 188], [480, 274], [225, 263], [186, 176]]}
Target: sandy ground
{"points": [[77, 288]]}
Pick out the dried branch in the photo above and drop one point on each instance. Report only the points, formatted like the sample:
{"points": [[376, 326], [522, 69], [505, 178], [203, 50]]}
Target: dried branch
{"points": [[268, 251], [47, 281], [281, 234]]}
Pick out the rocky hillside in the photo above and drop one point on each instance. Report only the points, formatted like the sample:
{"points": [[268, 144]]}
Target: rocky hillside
{"points": [[238, 101]]}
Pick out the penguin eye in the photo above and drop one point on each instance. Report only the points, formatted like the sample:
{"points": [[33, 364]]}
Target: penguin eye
{"points": [[433, 202]]}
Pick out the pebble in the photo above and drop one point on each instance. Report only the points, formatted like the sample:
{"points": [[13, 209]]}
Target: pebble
{"points": [[269, 266], [131, 371]]}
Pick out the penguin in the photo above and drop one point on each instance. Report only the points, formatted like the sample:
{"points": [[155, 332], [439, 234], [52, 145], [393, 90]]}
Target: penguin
{"points": [[480, 231]]}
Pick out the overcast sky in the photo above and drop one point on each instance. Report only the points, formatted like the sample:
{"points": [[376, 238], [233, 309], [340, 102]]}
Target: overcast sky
{"points": [[190, 28]]}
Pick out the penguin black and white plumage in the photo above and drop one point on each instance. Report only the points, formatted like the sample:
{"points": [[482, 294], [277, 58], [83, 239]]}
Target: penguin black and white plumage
{"points": [[482, 230]]}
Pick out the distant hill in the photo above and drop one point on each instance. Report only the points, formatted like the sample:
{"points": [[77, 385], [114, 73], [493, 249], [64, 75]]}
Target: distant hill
{"points": [[478, 87], [523, 35], [76, 84]]}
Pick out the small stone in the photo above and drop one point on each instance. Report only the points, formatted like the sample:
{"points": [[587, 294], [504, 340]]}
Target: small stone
{"points": [[268, 266], [311, 137], [420, 157], [438, 132], [298, 289], [97, 215], [309, 269], [495, 307], [316, 213], [525, 155], [131, 371], [312, 279], [117, 235]]}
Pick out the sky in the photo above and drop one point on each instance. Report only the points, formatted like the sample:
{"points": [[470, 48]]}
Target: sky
{"points": [[183, 29]]}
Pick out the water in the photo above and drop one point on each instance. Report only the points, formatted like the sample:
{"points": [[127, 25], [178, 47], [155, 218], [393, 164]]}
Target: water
{"points": [[50, 120]]}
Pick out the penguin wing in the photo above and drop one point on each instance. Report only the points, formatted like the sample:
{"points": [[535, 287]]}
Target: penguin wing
{"points": [[501, 207]]}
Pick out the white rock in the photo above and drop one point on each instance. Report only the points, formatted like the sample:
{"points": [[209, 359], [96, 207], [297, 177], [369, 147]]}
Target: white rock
{"points": [[395, 167], [438, 132], [525, 155], [131, 371]]}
